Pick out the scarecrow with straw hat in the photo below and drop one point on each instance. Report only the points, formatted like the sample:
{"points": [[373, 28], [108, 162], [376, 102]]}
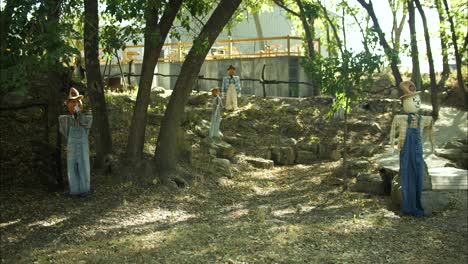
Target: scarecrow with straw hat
{"points": [[232, 88], [410, 127], [216, 113], [75, 128]]}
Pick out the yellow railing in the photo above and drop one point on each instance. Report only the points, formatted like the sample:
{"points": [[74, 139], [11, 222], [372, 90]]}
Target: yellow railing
{"points": [[225, 49]]}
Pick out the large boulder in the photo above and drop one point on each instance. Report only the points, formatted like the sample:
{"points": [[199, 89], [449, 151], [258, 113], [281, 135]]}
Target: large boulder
{"points": [[458, 156], [199, 99], [369, 183], [283, 155], [202, 128], [221, 167], [223, 149], [305, 157], [259, 162], [432, 201]]}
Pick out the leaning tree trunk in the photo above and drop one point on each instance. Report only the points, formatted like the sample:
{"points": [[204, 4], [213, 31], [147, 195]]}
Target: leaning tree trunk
{"points": [[166, 153], [461, 85], [155, 35], [416, 72], [258, 28], [434, 91], [443, 45], [102, 134], [391, 55]]}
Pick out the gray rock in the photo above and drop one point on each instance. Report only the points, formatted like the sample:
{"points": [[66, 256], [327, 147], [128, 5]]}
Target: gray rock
{"points": [[232, 140], [201, 131], [369, 183], [326, 150], [396, 185], [335, 154], [311, 147], [305, 157], [368, 150], [289, 142], [212, 152], [200, 99], [259, 162], [455, 144], [434, 202], [356, 166], [283, 155], [224, 150], [451, 154], [221, 167], [265, 153]]}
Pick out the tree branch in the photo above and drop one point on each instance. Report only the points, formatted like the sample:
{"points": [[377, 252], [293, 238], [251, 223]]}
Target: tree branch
{"points": [[335, 31], [281, 4]]}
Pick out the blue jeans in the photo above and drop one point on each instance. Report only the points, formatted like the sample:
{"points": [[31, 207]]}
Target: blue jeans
{"points": [[78, 160], [411, 173]]}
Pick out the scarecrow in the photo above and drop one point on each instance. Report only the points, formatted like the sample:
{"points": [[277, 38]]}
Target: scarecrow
{"points": [[216, 113], [232, 88], [75, 128], [410, 128]]}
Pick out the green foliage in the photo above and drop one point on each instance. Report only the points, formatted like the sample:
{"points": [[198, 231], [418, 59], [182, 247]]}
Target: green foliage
{"points": [[345, 78], [34, 38]]}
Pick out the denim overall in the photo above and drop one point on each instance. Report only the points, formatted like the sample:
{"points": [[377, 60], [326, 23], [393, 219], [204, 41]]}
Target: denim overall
{"points": [[411, 171], [215, 117], [78, 168]]}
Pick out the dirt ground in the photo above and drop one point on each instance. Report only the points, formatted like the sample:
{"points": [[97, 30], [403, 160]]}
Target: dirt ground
{"points": [[289, 214]]}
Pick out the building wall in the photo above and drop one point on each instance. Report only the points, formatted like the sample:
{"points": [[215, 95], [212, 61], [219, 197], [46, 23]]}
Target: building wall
{"points": [[277, 68], [281, 68]]}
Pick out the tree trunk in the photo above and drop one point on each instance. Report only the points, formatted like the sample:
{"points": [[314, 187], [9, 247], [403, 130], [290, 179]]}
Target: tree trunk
{"points": [[258, 28], [391, 55], [397, 28], [305, 24], [155, 35], [434, 91], [443, 45], [461, 85], [95, 88], [416, 72], [308, 32], [166, 154], [345, 149]]}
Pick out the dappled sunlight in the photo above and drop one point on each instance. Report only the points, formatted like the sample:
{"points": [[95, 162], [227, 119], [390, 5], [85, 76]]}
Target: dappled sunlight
{"points": [[151, 215], [54, 220], [9, 223]]}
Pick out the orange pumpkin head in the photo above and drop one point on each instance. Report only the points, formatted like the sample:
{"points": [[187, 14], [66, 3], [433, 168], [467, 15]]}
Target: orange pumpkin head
{"points": [[215, 92], [71, 103], [74, 101]]}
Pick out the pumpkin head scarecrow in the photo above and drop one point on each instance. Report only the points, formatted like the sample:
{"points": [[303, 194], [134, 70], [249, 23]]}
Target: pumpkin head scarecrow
{"points": [[75, 128], [410, 127]]}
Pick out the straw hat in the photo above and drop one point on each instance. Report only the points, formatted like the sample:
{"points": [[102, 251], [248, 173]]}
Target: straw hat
{"points": [[409, 89], [74, 94]]}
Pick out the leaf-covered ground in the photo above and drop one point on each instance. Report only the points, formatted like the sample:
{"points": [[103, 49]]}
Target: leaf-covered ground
{"points": [[284, 215], [290, 214]]}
